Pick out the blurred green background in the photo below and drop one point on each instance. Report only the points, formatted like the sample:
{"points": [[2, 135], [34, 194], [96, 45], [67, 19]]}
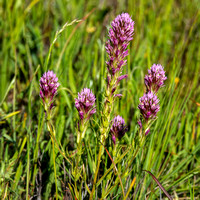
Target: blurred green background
{"points": [[165, 32]]}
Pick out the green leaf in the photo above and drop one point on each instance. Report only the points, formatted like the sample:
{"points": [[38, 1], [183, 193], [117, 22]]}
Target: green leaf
{"points": [[17, 176]]}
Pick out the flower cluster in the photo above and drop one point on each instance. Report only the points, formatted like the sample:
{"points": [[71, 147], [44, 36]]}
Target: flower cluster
{"points": [[149, 106], [118, 128], [85, 104], [48, 89], [149, 103], [155, 78], [120, 34]]}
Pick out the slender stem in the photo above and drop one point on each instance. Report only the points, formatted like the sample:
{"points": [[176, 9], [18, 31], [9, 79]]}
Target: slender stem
{"points": [[111, 167], [52, 134], [52, 131], [36, 148], [61, 151], [96, 172], [115, 151], [28, 163], [98, 161], [141, 143], [104, 131], [14, 95], [79, 150], [77, 162], [54, 165], [125, 171]]}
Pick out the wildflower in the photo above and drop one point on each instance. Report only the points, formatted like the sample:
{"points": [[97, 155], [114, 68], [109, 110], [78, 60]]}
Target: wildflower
{"points": [[85, 103], [155, 78], [48, 89], [118, 128], [120, 34], [149, 106]]}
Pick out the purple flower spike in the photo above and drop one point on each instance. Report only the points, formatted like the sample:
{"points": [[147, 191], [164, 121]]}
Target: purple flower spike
{"points": [[155, 78], [85, 103], [48, 88], [149, 106], [118, 128], [120, 34]]}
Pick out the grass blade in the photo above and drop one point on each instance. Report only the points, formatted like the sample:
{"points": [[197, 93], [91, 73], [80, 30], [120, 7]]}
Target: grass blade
{"points": [[159, 184]]}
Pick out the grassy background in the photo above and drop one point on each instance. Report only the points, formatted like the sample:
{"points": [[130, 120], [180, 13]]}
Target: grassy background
{"points": [[166, 32]]}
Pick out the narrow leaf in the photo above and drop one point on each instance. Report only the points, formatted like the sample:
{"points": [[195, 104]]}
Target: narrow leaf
{"points": [[11, 114], [129, 190], [17, 176], [115, 169], [159, 184]]}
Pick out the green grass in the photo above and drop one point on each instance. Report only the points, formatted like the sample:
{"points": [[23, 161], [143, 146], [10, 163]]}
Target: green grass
{"points": [[166, 32]]}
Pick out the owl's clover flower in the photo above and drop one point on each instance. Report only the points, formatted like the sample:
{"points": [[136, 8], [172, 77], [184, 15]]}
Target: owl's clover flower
{"points": [[149, 106], [48, 89], [120, 35], [85, 103], [155, 78], [118, 128]]}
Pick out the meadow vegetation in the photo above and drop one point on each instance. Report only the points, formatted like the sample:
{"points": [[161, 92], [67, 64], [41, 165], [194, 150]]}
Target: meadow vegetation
{"points": [[69, 37]]}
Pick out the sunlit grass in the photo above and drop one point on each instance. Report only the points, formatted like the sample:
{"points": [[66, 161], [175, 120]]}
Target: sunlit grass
{"points": [[166, 32]]}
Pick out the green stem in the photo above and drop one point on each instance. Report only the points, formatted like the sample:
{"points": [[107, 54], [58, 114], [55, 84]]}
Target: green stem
{"points": [[52, 134], [27, 168], [14, 96], [104, 132], [77, 164], [141, 143], [80, 135], [36, 149], [52, 131], [61, 151], [54, 165], [96, 172], [115, 151], [140, 147]]}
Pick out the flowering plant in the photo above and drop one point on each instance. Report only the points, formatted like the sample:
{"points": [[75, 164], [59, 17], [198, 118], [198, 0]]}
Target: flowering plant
{"points": [[48, 89], [149, 103], [120, 35]]}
